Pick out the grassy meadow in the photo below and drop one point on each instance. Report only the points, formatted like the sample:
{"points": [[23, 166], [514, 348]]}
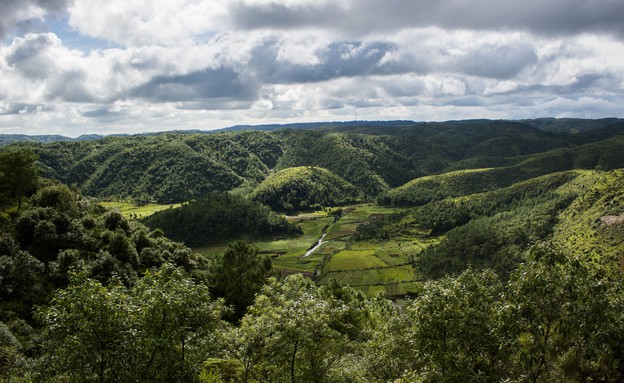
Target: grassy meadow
{"points": [[130, 210]]}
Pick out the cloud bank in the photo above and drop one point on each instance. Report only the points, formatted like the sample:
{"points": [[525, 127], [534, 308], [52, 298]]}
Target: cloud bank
{"points": [[193, 64]]}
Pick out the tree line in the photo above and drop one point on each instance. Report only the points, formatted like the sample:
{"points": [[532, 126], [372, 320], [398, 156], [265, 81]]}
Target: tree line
{"points": [[88, 296]]}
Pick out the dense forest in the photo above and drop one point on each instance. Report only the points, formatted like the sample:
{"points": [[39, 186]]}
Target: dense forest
{"points": [[520, 279], [219, 217]]}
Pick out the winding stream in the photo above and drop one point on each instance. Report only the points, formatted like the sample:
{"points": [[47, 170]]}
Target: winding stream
{"points": [[318, 244]]}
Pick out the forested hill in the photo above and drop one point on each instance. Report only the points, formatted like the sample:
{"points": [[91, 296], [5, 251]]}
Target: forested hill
{"points": [[303, 188], [176, 167]]}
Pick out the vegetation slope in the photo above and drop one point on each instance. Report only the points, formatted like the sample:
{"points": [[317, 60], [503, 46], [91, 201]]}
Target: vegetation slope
{"points": [[579, 210], [304, 188], [219, 218], [176, 167], [166, 168], [603, 155]]}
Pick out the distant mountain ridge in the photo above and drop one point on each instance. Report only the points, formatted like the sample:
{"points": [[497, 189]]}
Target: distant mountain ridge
{"points": [[319, 125], [6, 139], [555, 125]]}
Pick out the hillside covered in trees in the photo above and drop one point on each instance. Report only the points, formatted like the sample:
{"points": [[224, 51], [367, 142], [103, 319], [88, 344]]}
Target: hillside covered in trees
{"points": [[219, 217], [509, 235], [177, 167], [304, 188]]}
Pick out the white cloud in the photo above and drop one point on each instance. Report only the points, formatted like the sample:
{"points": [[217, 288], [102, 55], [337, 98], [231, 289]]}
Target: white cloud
{"points": [[501, 87], [182, 64], [302, 51], [23, 15], [361, 17], [139, 22]]}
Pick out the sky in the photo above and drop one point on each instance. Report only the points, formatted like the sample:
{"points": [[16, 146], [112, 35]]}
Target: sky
{"points": [[75, 67]]}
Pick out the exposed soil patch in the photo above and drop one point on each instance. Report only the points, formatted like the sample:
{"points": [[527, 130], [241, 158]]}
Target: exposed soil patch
{"points": [[611, 220], [377, 216]]}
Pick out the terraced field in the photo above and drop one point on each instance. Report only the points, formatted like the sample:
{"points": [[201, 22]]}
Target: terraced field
{"points": [[354, 260], [379, 275], [370, 266]]}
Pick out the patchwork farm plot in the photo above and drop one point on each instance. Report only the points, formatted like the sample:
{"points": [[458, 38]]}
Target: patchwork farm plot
{"points": [[370, 266]]}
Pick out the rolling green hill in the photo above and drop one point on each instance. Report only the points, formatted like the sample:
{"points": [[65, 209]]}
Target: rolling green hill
{"points": [[580, 210], [304, 188], [372, 163], [166, 168], [453, 184], [603, 155], [571, 125]]}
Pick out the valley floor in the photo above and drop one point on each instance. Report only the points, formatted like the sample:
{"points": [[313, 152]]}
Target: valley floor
{"points": [[371, 266]]}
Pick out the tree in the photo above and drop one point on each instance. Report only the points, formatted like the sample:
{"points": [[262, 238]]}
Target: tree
{"points": [[239, 275], [446, 334], [176, 322], [18, 172], [286, 336], [21, 281], [454, 322], [563, 318], [88, 332], [158, 331]]}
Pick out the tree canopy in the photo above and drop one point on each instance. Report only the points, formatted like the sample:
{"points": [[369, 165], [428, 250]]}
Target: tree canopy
{"points": [[18, 174]]}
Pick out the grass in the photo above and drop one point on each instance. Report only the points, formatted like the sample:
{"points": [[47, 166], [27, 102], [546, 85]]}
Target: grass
{"points": [[287, 253], [312, 231], [374, 276], [393, 280], [393, 290], [130, 210], [372, 267], [210, 251], [354, 260]]}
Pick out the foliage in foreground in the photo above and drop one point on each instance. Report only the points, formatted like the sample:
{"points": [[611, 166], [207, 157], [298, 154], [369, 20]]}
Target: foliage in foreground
{"points": [[60, 230], [159, 330], [555, 319]]}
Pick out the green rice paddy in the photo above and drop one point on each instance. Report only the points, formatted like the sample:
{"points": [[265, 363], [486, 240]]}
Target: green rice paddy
{"points": [[370, 266]]}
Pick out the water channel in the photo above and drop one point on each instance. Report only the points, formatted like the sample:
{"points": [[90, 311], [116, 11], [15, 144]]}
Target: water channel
{"points": [[318, 244]]}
